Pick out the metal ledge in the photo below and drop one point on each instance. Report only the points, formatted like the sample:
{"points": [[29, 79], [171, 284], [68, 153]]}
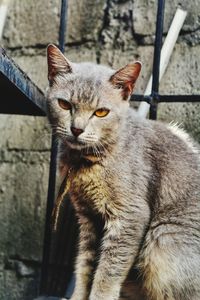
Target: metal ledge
{"points": [[18, 94], [166, 98]]}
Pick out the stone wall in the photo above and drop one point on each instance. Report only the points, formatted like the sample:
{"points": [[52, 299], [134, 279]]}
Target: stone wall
{"points": [[112, 32]]}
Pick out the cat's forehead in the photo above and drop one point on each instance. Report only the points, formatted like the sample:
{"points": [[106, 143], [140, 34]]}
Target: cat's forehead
{"points": [[83, 90], [84, 93], [88, 84]]}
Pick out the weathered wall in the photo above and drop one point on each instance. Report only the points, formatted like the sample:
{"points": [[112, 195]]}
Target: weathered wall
{"points": [[104, 31]]}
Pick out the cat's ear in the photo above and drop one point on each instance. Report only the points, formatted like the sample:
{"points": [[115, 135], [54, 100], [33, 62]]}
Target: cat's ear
{"points": [[125, 78], [57, 63]]}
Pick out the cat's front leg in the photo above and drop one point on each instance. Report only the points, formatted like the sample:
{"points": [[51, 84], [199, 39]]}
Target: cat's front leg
{"points": [[85, 260], [120, 247]]}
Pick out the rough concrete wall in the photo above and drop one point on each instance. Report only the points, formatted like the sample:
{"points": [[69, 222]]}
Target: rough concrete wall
{"points": [[105, 31]]}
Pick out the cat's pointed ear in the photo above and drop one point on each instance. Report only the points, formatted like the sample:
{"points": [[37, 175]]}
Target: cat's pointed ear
{"points": [[125, 78], [57, 63]]}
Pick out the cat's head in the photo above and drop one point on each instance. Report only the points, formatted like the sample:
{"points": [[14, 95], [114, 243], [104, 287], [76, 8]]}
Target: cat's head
{"points": [[87, 103]]}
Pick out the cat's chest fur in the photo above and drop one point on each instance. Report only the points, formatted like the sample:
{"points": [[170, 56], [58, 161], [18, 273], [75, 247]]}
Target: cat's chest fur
{"points": [[90, 191]]}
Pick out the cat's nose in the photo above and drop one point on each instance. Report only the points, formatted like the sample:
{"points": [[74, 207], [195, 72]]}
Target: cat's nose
{"points": [[76, 131]]}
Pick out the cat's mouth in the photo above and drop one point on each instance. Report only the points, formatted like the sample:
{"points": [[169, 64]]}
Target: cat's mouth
{"points": [[85, 148], [77, 143]]}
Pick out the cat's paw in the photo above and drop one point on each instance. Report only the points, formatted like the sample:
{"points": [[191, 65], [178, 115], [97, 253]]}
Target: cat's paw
{"points": [[74, 298], [103, 297], [78, 297]]}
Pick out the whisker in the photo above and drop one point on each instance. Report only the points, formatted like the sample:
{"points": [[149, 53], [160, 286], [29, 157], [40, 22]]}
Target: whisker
{"points": [[101, 146], [96, 152]]}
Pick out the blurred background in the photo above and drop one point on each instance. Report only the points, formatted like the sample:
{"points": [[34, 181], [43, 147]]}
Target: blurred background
{"points": [[110, 32]]}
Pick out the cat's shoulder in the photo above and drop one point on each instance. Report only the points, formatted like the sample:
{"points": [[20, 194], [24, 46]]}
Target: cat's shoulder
{"points": [[179, 132], [174, 133], [164, 132]]}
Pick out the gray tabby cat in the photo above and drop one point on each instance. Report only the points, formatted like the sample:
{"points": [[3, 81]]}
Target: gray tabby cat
{"points": [[135, 186]]}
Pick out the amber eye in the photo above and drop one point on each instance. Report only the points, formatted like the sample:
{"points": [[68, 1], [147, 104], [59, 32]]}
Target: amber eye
{"points": [[64, 104], [102, 112]]}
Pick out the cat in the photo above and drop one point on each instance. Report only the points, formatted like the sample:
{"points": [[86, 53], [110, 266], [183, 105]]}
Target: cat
{"points": [[134, 184]]}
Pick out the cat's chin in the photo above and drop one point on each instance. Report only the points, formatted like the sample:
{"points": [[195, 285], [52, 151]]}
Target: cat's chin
{"points": [[81, 145], [76, 145]]}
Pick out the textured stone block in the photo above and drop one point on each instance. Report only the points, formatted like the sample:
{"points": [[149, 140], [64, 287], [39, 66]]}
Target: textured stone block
{"points": [[23, 203], [117, 32], [49, 298], [28, 133], [32, 23], [35, 66], [4, 120], [85, 20], [182, 74], [2, 287], [182, 77], [16, 288], [79, 53], [144, 15]]}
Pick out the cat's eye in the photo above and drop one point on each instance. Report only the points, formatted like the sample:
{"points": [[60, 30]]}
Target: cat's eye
{"points": [[101, 112], [64, 104]]}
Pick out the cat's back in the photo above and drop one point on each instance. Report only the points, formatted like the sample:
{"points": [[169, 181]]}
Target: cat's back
{"points": [[165, 157], [175, 150], [163, 142]]}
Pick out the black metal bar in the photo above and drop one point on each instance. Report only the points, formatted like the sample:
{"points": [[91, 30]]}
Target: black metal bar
{"points": [[63, 24], [166, 98], [137, 97], [48, 231], [19, 95], [52, 176], [179, 98], [156, 59]]}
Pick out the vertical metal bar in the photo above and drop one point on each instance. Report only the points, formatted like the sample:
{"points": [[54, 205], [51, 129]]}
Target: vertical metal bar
{"points": [[52, 173], [156, 59], [49, 208], [63, 24]]}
